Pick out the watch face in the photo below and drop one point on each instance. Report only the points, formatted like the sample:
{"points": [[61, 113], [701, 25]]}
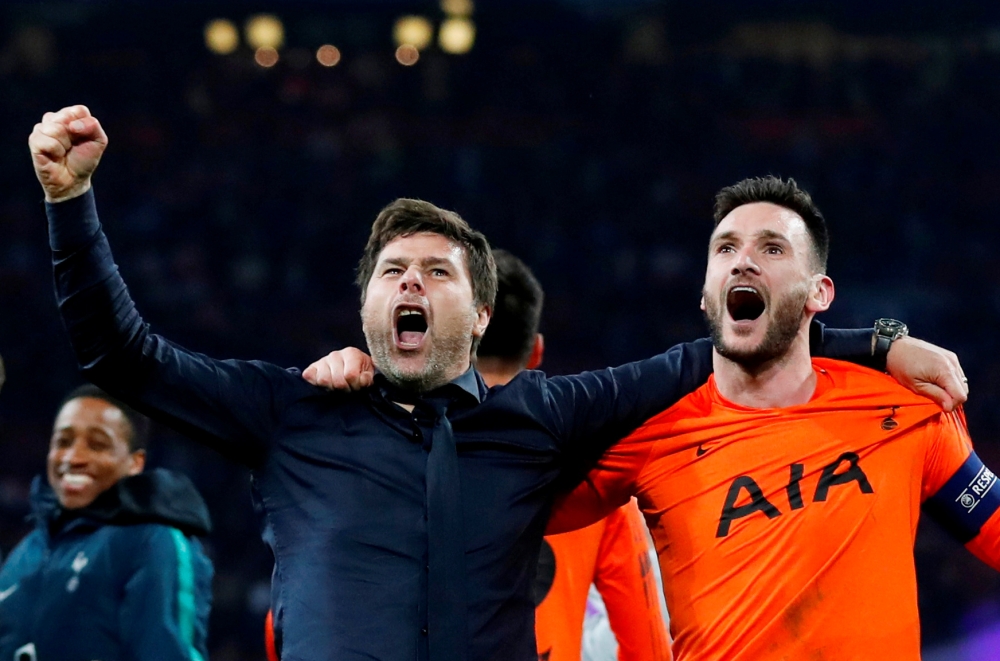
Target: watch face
{"points": [[890, 328]]}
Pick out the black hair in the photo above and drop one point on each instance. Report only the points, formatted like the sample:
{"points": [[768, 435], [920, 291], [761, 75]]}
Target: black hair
{"points": [[139, 424], [517, 313], [406, 217], [784, 193]]}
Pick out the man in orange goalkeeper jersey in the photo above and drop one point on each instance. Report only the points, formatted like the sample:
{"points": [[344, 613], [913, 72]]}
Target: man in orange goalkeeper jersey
{"points": [[612, 553], [783, 495]]}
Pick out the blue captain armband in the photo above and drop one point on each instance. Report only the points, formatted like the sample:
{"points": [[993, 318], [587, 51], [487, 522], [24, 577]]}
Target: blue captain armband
{"points": [[966, 500]]}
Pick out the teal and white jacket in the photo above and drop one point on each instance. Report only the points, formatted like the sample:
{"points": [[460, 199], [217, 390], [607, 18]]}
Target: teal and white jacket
{"points": [[122, 579]]}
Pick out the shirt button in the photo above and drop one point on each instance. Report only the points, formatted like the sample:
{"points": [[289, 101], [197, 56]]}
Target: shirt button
{"points": [[424, 631]]}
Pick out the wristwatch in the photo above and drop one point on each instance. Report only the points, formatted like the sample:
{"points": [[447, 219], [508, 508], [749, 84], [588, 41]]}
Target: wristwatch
{"points": [[886, 332]]}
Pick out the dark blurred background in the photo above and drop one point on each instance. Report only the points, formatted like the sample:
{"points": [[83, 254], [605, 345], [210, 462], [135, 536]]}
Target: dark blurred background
{"points": [[587, 137]]}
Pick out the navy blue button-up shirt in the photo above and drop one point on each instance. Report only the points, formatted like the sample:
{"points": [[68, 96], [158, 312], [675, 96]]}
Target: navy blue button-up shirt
{"points": [[340, 477]]}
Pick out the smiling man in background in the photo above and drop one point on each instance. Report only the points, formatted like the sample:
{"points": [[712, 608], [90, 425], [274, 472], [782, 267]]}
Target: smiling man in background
{"points": [[112, 569]]}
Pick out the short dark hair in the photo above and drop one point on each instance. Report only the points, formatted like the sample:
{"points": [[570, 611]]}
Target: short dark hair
{"points": [[517, 313], [406, 217], [139, 424], [784, 193]]}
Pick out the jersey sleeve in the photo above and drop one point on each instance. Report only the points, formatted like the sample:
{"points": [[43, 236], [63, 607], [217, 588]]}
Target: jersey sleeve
{"points": [[609, 486], [625, 578], [229, 405], [167, 598], [986, 545], [960, 492], [949, 447]]}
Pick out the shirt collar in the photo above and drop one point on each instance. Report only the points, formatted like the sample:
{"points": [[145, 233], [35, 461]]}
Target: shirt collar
{"points": [[466, 386]]}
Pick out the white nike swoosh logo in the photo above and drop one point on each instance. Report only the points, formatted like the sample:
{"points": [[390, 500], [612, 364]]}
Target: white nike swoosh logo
{"points": [[9, 591]]}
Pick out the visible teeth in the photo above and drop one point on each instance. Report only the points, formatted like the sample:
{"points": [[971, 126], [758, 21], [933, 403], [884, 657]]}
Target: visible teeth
{"points": [[744, 288], [76, 480], [409, 312]]}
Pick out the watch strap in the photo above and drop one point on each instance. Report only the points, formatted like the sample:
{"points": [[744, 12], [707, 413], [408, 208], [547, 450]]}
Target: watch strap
{"points": [[880, 352]]}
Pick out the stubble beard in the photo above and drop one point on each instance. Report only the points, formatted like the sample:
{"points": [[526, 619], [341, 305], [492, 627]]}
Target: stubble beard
{"points": [[781, 332], [447, 350]]}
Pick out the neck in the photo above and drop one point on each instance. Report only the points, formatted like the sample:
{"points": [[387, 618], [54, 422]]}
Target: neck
{"points": [[787, 380], [422, 383]]}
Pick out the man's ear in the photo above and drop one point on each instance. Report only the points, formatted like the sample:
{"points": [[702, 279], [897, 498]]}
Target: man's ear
{"points": [[483, 314], [821, 293], [535, 359], [701, 305], [138, 459]]}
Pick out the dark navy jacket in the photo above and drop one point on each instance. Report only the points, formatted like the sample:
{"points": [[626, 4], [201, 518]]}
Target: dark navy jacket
{"points": [[119, 580], [340, 477]]}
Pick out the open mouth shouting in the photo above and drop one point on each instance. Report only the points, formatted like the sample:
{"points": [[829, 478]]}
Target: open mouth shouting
{"points": [[744, 303], [410, 327]]}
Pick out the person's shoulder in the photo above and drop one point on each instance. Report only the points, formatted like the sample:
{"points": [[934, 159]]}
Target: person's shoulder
{"points": [[288, 383], [527, 386], [274, 372], [29, 549], [858, 386], [154, 543], [693, 406], [144, 535]]}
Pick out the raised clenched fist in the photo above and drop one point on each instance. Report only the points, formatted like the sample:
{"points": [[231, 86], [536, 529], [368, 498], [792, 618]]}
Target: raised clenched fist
{"points": [[66, 147]]}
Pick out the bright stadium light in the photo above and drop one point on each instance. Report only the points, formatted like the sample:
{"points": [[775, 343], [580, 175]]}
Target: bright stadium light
{"points": [[265, 31], [414, 30], [457, 36], [407, 55], [266, 56], [221, 36], [328, 55], [456, 8]]}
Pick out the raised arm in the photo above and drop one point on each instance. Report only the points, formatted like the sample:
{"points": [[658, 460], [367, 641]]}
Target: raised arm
{"points": [[229, 405]]}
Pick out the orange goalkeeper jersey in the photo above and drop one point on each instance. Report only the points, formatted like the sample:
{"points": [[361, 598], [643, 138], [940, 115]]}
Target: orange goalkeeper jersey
{"points": [[786, 533], [613, 554]]}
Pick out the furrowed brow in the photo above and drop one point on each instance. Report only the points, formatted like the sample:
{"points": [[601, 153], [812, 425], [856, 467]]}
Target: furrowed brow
{"points": [[771, 234], [725, 237], [435, 261]]}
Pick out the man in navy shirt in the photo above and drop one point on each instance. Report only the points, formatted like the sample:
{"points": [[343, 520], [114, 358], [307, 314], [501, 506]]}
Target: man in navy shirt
{"points": [[405, 519]]}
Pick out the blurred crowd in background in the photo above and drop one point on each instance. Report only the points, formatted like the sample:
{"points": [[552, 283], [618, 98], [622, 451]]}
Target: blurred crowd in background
{"points": [[586, 137]]}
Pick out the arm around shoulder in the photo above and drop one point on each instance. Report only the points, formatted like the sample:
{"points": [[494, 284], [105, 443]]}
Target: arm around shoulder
{"points": [[610, 403]]}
